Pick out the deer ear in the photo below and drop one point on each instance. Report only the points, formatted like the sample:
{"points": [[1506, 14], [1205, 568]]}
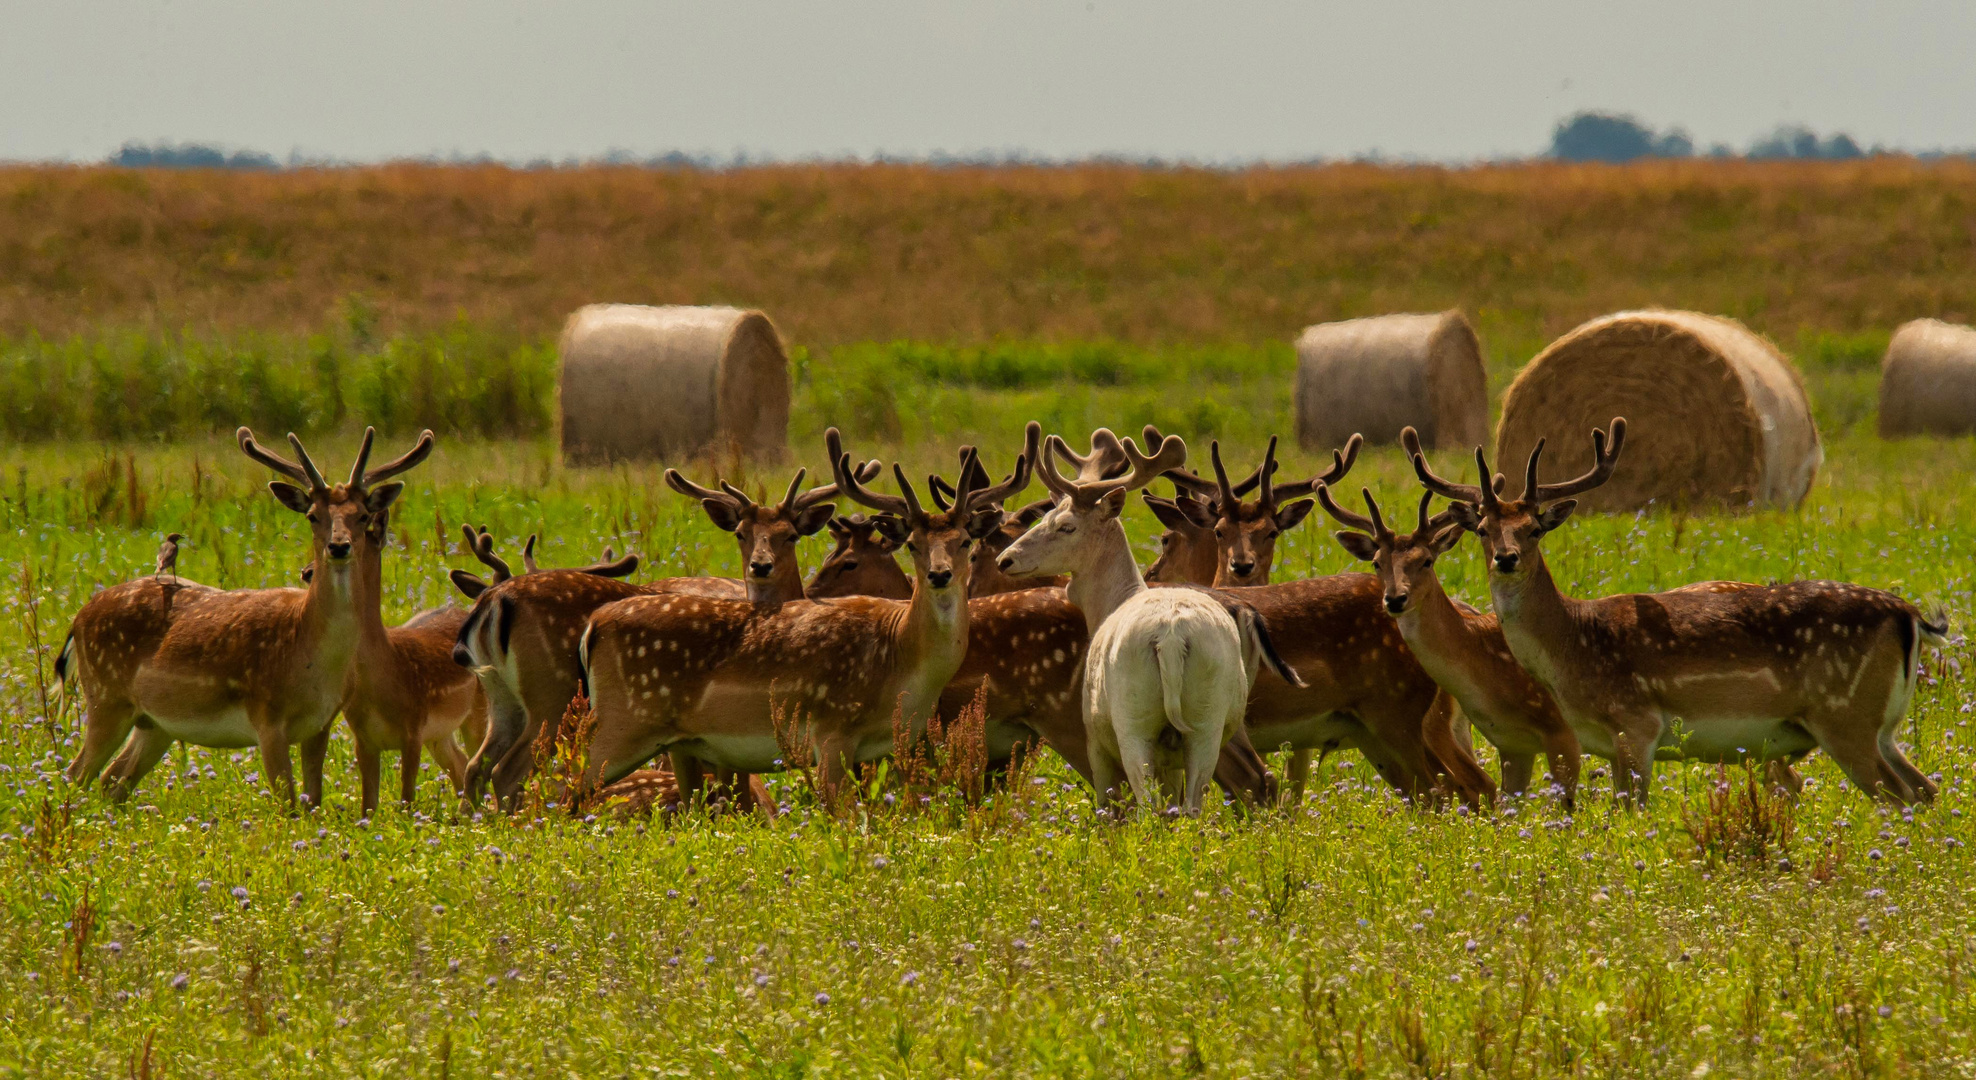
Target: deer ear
{"points": [[291, 496], [814, 518], [1358, 544], [1112, 505], [382, 496], [469, 583], [985, 522], [891, 528], [1292, 515], [838, 532], [1466, 515], [1550, 517], [1447, 538], [1168, 513], [722, 513]]}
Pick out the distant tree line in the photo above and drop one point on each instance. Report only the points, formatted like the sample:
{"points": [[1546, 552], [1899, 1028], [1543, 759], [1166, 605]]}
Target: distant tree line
{"points": [[163, 155], [1613, 137]]}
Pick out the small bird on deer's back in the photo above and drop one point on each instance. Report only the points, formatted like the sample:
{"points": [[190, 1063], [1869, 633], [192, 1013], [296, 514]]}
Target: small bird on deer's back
{"points": [[168, 555]]}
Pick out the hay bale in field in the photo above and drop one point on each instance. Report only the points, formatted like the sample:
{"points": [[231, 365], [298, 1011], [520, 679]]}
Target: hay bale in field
{"points": [[1714, 413], [1378, 375], [672, 383], [1928, 380]]}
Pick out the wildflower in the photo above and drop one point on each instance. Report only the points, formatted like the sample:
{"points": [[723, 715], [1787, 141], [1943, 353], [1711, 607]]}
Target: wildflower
{"points": [[1639, 864], [439, 909], [1875, 894], [240, 892], [880, 861], [1020, 945], [1886, 1011], [1875, 855], [299, 845], [822, 998], [342, 1021], [910, 978], [1471, 945], [513, 974], [761, 979], [672, 894], [1523, 834], [181, 980], [491, 980], [114, 947], [204, 886], [452, 967]]}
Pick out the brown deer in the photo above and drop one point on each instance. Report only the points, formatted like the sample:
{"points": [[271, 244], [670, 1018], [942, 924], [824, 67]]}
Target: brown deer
{"points": [[863, 563], [163, 660], [523, 633], [1461, 648], [1720, 671], [723, 680], [1363, 688]]}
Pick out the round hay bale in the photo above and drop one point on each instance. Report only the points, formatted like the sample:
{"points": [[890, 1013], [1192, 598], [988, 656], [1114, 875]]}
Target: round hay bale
{"points": [[1714, 413], [672, 383], [1379, 375], [1928, 380]]}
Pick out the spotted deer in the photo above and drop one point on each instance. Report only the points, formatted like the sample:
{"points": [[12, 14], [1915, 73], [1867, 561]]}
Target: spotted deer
{"points": [[1364, 689], [1167, 673], [163, 660], [863, 562], [1461, 648], [1719, 671], [523, 633], [724, 681]]}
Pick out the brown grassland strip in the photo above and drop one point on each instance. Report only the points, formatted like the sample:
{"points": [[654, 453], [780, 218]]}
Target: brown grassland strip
{"points": [[844, 253]]}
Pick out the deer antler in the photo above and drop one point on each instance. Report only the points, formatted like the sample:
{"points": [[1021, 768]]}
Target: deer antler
{"points": [[482, 546], [1341, 463], [1210, 490], [1604, 459], [1171, 453], [1105, 461], [1344, 517], [403, 463], [1447, 489], [691, 490], [906, 506], [305, 471], [528, 555]]}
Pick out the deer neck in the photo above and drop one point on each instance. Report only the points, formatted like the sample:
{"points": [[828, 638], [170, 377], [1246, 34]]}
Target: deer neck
{"points": [[1538, 621], [1107, 579], [340, 613], [1437, 631], [933, 626], [785, 585]]}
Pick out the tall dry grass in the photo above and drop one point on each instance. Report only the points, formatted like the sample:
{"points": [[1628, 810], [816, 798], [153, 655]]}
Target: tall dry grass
{"points": [[843, 253]]}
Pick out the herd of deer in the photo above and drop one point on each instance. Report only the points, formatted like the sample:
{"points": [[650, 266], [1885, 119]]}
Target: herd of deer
{"points": [[1039, 617]]}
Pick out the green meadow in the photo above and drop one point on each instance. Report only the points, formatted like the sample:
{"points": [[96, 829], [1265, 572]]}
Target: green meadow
{"points": [[200, 930]]}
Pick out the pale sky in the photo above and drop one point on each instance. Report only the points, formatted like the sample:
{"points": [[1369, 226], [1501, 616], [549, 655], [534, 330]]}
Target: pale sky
{"points": [[1227, 81]]}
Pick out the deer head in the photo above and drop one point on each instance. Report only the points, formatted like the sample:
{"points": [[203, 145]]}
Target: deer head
{"points": [[937, 541], [1068, 537], [862, 563], [343, 518], [1243, 533], [767, 532], [1511, 529], [481, 544], [1403, 561]]}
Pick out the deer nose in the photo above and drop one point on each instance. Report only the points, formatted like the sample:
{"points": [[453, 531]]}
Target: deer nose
{"points": [[939, 578], [1006, 563], [338, 549], [1506, 562], [1242, 569], [1396, 604], [762, 569]]}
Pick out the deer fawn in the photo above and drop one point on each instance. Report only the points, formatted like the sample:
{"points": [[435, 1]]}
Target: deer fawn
{"points": [[1161, 662], [1461, 648], [1750, 671], [523, 633], [1364, 689], [162, 660], [724, 680]]}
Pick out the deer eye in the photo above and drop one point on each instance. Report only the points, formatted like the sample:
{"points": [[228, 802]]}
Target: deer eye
{"points": [[1066, 528], [1426, 563], [849, 564], [311, 515]]}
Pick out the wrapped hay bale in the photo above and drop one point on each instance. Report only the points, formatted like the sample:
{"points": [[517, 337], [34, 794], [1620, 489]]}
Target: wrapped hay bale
{"points": [[1714, 413], [672, 383], [1928, 380], [1378, 375]]}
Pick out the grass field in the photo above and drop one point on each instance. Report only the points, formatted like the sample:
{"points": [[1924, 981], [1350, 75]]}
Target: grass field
{"points": [[1348, 936], [200, 931]]}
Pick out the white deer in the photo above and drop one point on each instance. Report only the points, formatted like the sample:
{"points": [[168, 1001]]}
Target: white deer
{"points": [[1162, 662]]}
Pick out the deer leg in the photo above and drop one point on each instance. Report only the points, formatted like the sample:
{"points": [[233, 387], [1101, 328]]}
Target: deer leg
{"points": [[1561, 749], [147, 744], [280, 771], [1517, 766], [688, 777], [1472, 785], [1859, 754], [1139, 756], [1782, 778], [408, 771], [1298, 771], [369, 767], [105, 726], [314, 750], [1920, 788], [505, 720], [833, 768], [1105, 770], [1203, 750], [1633, 760], [1242, 772], [448, 755]]}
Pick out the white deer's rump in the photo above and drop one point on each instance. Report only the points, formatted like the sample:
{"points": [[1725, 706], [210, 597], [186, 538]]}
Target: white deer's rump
{"points": [[1166, 659]]}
